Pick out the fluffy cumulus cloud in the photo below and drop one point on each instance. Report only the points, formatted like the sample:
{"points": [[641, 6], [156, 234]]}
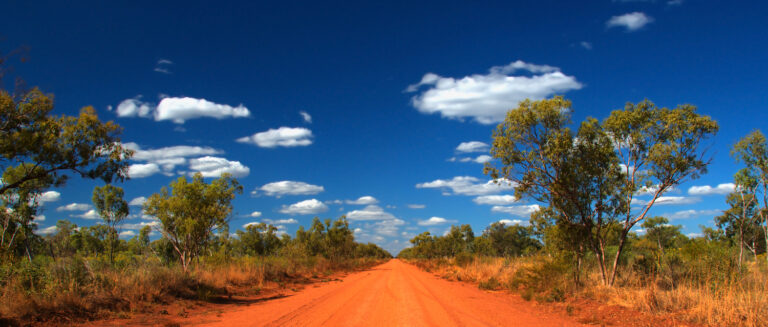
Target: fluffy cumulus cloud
{"points": [[481, 159], [435, 221], [467, 185], [472, 146], [138, 201], [49, 196], [127, 233], [510, 222], [631, 22], [417, 206], [278, 189], [709, 190], [143, 170], [215, 166], [90, 214], [486, 98], [152, 224], [371, 212], [307, 118], [306, 207], [74, 207], [363, 200], [520, 211], [255, 214], [165, 160], [505, 199], [281, 137], [179, 109]]}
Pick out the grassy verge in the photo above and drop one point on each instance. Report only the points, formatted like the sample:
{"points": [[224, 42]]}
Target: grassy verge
{"points": [[79, 289], [737, 300]]}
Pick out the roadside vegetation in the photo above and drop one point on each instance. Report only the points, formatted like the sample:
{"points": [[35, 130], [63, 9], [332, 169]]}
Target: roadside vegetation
{"points": [[85, 272], [592, 235]]}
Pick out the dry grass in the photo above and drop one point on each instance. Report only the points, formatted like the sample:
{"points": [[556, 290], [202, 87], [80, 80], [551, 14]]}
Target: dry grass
{"points": [[741, 301], [74, 290]]}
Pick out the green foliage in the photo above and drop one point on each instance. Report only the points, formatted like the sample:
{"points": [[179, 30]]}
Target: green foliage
{"points": [[579, 175], [44, 148], [110, 205], [191, 211]]}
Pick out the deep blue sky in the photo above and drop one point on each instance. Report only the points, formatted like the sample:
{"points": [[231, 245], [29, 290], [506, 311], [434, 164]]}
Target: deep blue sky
{"points": [[348, 65]]}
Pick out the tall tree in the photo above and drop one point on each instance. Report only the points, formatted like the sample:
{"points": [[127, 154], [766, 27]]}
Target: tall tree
{"points": [[112, 208], [752, 150], [658, 148], [589, 178], [191, 211], [43, 147]]}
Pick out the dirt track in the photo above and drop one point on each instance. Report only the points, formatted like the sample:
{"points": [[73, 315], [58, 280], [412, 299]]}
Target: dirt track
{"points": [[392, 294]]}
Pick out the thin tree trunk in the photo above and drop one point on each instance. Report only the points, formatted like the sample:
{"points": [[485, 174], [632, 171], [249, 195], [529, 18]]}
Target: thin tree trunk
{"points": [[622, 239], [741, 245]]}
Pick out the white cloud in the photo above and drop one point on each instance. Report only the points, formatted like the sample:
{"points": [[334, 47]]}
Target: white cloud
{"points": [[481, 159], [278, 189], [134, 108], [169, 153], [632, 21], [47, 230], [487, 98], [363, 200], [388, 227], [164, 159], [520, 211], [179, 110], [281, 221], [371, 212], [307, 118], [90, 214], [38, 218], [435, 221], [139, 201], [586, 45], [162, 66], [127, 233], [472, 146], [74, 207], [686, 214], [49, 196], [417, 206], [255, 214], [668, 200], [510, 222], [215, 166], [467, 185], [140, 225], [306, 207], [709, 190], [495, 199], [143, 170], [283, 136]]}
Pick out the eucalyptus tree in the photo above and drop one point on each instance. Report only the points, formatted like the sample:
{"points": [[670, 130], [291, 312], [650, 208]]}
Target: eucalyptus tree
{"points": [[191, 211], [658, 148], [752, 150], [113, 209], [589, 177]]}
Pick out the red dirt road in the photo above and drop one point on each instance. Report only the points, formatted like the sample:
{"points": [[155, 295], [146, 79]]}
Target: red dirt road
{"points": [[392, 294]]}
